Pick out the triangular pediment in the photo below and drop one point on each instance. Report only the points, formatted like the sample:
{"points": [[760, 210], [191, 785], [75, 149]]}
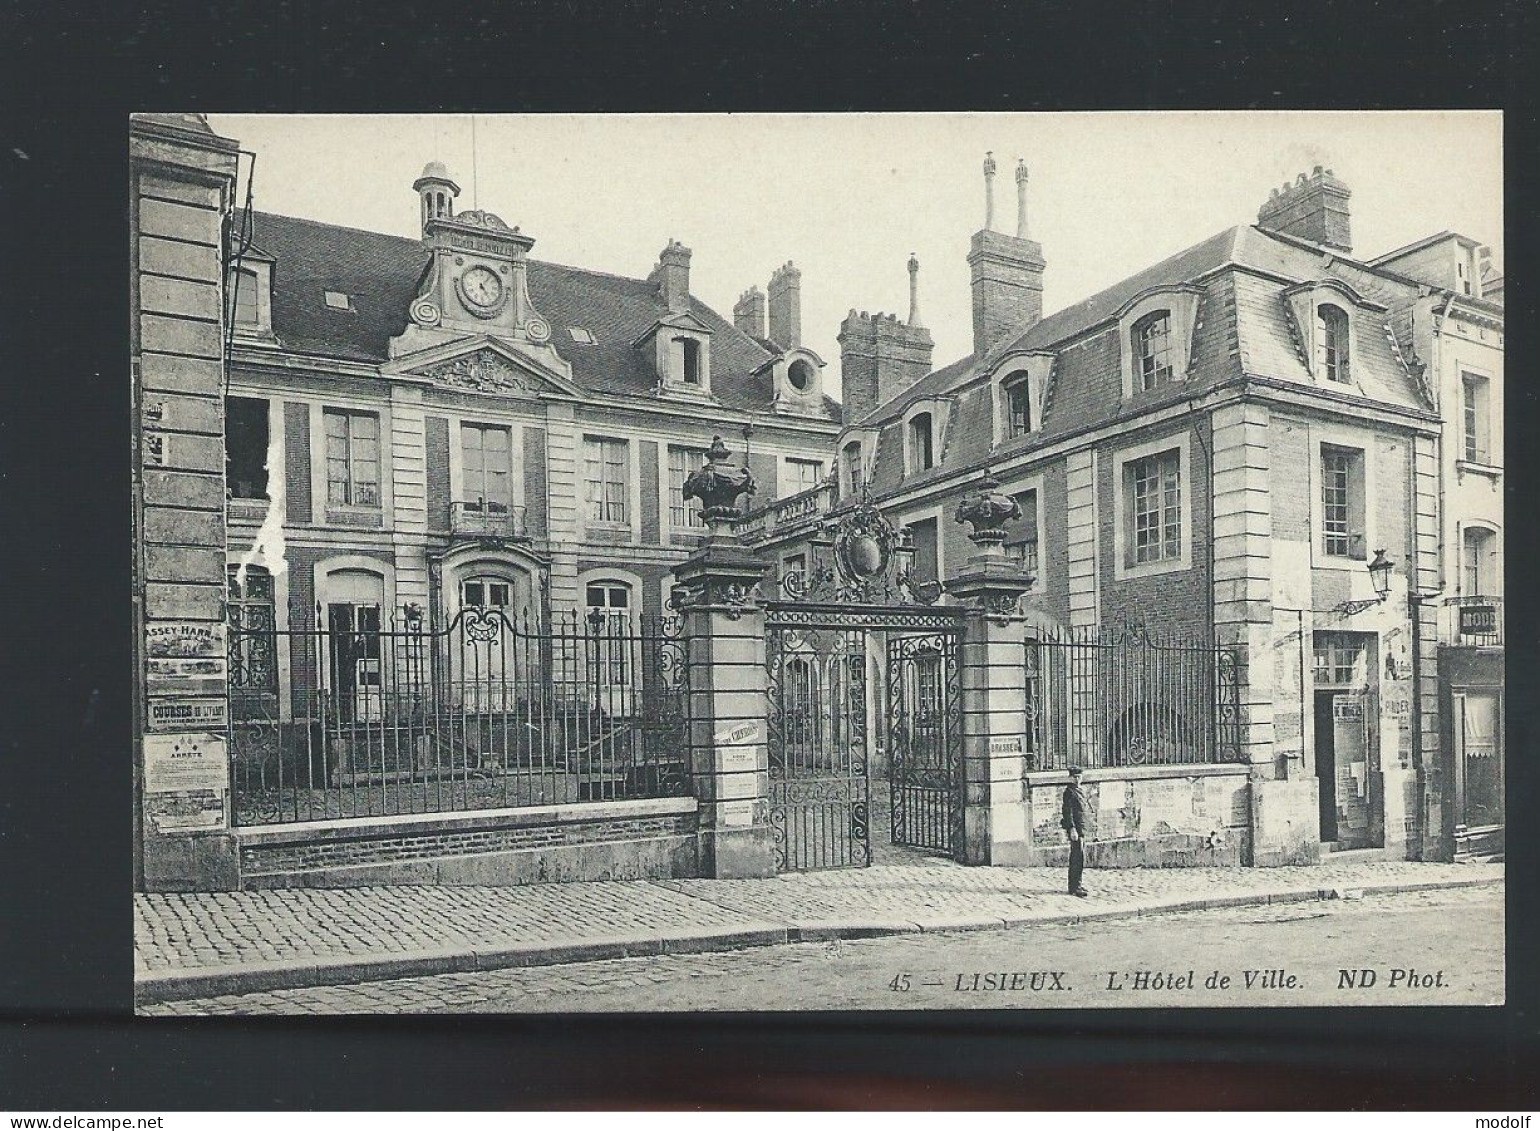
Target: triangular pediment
{"points": [[683, 320], [485, 365]]}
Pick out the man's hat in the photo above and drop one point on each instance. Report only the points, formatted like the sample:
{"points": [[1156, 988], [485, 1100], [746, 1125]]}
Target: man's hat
{"points": [[1074, 771]]}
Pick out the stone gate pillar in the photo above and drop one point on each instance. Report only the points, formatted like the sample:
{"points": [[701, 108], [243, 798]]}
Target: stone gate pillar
{"points": [[182, 182], [993, 677], [724, 636]]}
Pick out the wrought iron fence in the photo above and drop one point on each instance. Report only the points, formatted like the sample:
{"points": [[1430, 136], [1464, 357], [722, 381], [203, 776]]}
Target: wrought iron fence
{"points": [[1123, 697], [361, 716]]}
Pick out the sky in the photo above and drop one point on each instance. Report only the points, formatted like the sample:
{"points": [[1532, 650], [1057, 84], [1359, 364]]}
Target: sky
{"points": [[849, 197]]}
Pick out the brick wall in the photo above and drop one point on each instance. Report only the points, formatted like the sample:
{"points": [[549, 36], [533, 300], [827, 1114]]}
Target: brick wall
{"points": [[1176, 602], [535, 482], [436, 452], [647, 460], [296, 462]]}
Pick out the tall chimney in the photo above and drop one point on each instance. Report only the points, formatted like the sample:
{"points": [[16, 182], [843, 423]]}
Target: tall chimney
{"points": [[880, 356], [989, 191], [749, 312], [914, 292], [1007, 273], [786, 306], [672, 275], [1021, 199], [1313, 207]]}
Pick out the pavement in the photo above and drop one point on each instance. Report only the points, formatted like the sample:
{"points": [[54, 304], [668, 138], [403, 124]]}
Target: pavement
{"points": [[207, 944]]}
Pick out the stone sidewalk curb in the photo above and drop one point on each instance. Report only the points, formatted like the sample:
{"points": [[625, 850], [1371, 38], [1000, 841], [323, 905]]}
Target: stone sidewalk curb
{"points": [[258, 977]]}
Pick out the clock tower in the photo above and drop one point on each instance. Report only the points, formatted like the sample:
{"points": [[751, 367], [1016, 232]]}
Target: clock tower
{"points": [[475, 283]]}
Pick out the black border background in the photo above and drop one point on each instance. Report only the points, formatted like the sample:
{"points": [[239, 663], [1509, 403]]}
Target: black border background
{"points": [[72, 71]]}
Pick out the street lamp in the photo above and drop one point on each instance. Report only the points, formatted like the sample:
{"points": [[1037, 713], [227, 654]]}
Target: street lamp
{"points": [[1379, 574], [1379, 577]]}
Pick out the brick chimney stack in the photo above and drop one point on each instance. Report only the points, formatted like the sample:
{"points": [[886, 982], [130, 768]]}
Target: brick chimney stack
{"points": [[786, 306], [749, 312], [880, 356], [1007, 272], [672, 275], [1313, 207]]}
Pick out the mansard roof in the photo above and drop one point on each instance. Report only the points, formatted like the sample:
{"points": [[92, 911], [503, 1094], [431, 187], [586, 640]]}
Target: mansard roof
{"points": [[381, 274], [1243, 327]]}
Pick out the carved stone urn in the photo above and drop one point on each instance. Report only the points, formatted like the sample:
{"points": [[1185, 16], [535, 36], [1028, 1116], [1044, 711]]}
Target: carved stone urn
{"points": [[987, 510], [718, 484]]}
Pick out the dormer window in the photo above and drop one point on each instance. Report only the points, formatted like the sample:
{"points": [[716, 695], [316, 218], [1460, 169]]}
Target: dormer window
{"points": [[1331, 323], [1152, 349], [853, 480], [1018, 405], [922, 454], [800, 375], [690, 363], [241, 288]]}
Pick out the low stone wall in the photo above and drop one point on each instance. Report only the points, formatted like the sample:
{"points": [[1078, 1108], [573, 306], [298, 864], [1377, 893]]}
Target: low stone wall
{"points": [[612, 840], [1147, 816]]}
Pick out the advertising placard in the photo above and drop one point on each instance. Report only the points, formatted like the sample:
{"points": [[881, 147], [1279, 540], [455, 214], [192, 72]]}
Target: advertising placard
{"points": [[177, 762], [187, 714]]}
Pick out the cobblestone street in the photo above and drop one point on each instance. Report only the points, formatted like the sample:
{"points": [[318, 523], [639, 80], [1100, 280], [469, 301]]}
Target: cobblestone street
{"points": [[1452, 939]]}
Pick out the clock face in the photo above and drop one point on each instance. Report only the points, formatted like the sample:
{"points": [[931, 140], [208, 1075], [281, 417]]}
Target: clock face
{"points": [[481, 288]]}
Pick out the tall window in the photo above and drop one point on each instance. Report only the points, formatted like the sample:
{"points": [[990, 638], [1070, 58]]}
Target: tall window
{"points": [[1021, 533], [609, 609], [921, 444], [1152, 349], [1476, 418], [691, 370], [1018, 407], [855, 480], [682, 462], [1331, 328], [352, 458], [487, 453], [1480, 578], [1155, 495], [253, 639], [1342, 502], [241, 297], [802, 474], [246, 448], [606, 479]]}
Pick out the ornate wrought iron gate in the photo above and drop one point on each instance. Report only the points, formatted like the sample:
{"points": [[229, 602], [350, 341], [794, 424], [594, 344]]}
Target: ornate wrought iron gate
{"points": [[925, 740], [821, 708]]}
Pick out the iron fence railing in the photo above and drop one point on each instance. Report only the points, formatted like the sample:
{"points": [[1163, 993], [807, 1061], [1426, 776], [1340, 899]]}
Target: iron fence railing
{"points": [[361, 717], [1122, 697]]}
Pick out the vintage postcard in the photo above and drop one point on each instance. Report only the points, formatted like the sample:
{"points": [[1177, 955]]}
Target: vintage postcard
{"points": [[777, 562]]}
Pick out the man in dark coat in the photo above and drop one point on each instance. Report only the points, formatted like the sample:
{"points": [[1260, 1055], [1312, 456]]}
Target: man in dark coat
{"points": [[1074, 823]]}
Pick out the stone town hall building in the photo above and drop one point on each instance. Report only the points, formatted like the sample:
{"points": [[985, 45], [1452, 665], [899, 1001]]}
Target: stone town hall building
{"points": [[412, 511]]}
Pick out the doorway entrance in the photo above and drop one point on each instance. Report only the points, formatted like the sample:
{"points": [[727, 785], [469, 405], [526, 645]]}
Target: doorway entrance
{"points": [[1346, 751], [822, 711]]}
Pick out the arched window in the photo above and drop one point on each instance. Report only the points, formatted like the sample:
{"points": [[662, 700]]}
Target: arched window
{"points": [[921, 446], [1152, 349], [1480, 579], [1018, 405], [609, 624], [1331, 329], [241, 297]]}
